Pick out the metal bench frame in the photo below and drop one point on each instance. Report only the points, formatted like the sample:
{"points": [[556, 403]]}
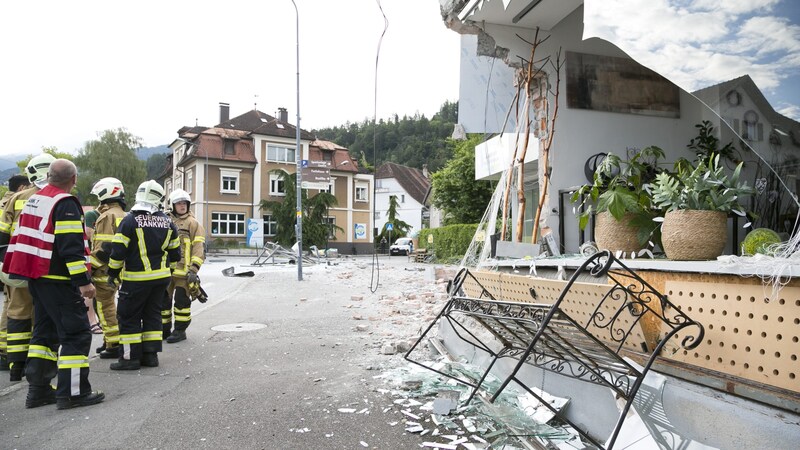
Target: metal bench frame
{"points": [[547, 337]]}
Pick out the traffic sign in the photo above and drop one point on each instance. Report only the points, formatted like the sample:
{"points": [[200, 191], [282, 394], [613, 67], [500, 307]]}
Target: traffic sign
{"points": [[389, 227], [315, 174]]}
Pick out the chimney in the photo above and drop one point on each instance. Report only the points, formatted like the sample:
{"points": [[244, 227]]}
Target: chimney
{"points": [[425, 172], [283, 115], [224, 112]]}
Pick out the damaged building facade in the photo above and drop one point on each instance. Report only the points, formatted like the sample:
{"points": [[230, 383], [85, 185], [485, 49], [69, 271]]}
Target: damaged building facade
{"points": [[737, 387]]}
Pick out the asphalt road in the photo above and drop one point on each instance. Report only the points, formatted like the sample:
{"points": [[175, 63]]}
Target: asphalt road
{"points": [[277, 387]]}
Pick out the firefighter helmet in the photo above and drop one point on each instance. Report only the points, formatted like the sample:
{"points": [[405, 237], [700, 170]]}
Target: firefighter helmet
{"points": [[150, 192], [38, 167], [108, 188], [179, 195]]}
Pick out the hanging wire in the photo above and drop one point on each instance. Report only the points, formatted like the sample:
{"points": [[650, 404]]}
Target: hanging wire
{"points": [[375, 278]]}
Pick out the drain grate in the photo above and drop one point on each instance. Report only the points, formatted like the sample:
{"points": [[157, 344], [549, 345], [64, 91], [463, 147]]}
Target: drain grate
{"points": [[236, 327]]}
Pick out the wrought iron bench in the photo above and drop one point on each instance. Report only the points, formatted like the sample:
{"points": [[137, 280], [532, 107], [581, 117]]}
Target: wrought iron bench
{"points": [[627, 314]]}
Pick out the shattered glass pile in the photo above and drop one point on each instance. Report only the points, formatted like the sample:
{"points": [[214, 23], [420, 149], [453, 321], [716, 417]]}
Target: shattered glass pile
{"points": [[434, 406]]}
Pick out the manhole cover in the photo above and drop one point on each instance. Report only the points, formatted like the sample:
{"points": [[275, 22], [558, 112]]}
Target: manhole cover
{"points": [[233, 327]]}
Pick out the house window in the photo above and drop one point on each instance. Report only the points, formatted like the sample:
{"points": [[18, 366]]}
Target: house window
{"points": [[270, 225], [377, 215], [361, 193], [331, 223], [327, 156], [402, 198], [753, 131], [331, 185], [276, 184], [277, 153], [227, 224], [189, 181], [229, 149], [229, 181]]}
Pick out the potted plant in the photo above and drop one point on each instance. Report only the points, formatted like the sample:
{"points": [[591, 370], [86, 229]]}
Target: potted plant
{"points": [[697, 200], [624, 210]]}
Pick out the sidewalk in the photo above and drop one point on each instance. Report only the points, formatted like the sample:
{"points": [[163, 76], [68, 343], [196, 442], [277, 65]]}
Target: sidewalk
{"points": [[280, 386]]}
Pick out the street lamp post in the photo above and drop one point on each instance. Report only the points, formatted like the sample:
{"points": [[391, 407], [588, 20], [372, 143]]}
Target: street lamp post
{"points": [[298, 157]]}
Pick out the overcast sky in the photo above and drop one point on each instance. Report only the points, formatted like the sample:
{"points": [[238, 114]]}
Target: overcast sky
{"points": [[699, 43], [72, 69]]}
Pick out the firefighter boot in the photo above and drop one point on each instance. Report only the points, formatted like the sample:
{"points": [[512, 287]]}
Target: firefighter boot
{"points": [[3, 362], [92, 398], [149, 359], [16, 369], [176, 336], [110, 352], [40, 396], [126, 364]]}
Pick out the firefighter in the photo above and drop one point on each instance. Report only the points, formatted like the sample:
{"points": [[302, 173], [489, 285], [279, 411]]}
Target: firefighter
{"points": [[20, 306], [146, 246], [184, 278], [111, 194], [49, 249], [15, 184]]}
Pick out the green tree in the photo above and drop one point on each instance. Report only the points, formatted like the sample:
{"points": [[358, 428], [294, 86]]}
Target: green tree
{"points": [[113, 154], [399, 228], [155, 165], [51, 150], [411, 141], [315, 227], [461, 198]]}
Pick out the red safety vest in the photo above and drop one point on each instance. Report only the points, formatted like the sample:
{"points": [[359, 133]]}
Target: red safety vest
{"points": [[31, 246]]}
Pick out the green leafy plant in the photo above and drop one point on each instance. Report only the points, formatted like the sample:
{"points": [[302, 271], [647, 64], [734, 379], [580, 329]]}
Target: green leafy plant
{"points": [[619, 188], [701, 187], [706, 144]]}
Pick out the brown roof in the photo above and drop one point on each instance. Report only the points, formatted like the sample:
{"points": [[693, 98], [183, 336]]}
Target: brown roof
{"points": [[340, 157], [410, 179], [211, 144], [257, 122]]}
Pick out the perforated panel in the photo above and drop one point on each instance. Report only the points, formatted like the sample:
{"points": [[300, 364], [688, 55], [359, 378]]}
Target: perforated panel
{"points": [[579, 303], [745, 336]]}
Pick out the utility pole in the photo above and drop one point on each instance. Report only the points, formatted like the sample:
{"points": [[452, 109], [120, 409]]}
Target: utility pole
{"points": [[299, 157]]}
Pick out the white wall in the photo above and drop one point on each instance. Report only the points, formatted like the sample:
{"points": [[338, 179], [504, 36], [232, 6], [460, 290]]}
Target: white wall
{"points": [[582, 133], [409, 211]]}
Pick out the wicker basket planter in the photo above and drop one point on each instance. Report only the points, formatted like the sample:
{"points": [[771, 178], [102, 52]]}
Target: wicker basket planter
{"points": [[614, 235], [693, 235]]}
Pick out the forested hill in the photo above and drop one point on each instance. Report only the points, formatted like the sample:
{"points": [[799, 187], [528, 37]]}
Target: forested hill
{"points": [[410, 141]]}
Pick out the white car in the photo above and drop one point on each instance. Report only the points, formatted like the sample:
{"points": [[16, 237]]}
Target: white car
{"points": [[402, 246]]}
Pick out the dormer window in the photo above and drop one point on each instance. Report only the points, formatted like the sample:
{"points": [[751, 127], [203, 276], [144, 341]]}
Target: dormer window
{"points": [[229, 147], [753, 131]]}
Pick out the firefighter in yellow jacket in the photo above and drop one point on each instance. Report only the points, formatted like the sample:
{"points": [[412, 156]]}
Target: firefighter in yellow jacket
{"points": [[111, 194], [16, 184], [192, 239], [20, 306]]}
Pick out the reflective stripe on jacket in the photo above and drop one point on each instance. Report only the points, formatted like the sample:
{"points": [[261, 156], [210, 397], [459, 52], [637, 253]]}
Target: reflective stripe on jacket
{"points": [[13, 208], [146, 245], [105, 227], [31, 250], [192, 238]]}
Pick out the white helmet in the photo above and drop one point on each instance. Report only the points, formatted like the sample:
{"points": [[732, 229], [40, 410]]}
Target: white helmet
{"points": [[150, 193], [108, 188], [179, 195], [38, 167]]}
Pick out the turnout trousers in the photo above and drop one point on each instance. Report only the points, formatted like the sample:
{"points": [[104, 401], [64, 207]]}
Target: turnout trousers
{"points": [[183, 306], [4, 323], [60, 319], [138, 311], [20, 313], [105, 304]]}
